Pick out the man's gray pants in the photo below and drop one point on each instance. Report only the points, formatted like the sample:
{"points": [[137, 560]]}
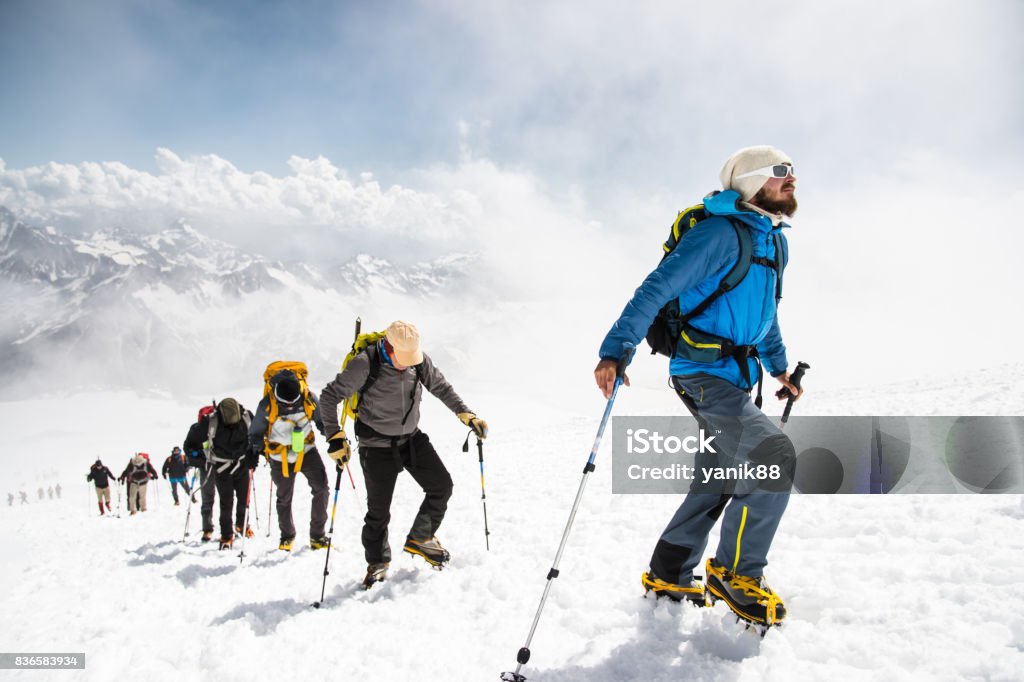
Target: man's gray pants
{"points": [[752, 508], [316, 476]]}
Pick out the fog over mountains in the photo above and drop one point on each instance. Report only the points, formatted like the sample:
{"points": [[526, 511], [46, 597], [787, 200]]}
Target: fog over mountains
{"points": [[178, 309]]}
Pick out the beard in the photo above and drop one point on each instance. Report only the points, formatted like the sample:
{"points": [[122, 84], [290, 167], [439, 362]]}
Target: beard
{"points": [[786, 206]]}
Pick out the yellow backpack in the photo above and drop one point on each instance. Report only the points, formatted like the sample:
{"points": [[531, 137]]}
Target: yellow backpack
{"points": [[362, 342], [301, 373]]}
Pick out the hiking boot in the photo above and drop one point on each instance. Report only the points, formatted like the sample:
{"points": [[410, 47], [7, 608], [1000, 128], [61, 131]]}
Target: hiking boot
{"points": [[176, 503], [248, 531], [375, 573], [322, 542], [108, 507], [226, 543], [749, 598], [692, 593], [207, 536], [286, 544], [431, 550]]}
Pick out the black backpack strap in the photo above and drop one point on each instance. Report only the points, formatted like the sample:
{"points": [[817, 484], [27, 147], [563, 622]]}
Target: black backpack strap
{"points": [[777, 264], [373, 354], [412, 394], [780, 264], [734, 276]]}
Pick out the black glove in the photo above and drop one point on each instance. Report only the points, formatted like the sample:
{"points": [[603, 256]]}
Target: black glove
{"points": [[252, 460]]}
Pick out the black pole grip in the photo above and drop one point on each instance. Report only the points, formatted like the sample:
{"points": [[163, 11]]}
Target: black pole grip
{"points": [[795, 378], [798, 373]]}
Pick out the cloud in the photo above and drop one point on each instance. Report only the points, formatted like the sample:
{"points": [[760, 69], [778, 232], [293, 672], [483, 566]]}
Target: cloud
{"points": [[316, 193], [901, 267]]}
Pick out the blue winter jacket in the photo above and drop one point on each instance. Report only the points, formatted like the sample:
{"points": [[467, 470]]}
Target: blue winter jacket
{"points": [[747, 315]]}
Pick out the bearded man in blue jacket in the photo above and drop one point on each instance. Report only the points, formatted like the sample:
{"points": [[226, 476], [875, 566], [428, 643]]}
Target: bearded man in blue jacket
{"points": [[716, 362]]}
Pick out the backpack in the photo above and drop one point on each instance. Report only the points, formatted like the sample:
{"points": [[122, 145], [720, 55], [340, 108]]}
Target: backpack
{"points": [[671, 333], [300, 372], [138, 474], [360, 345], [278, 370], [223, 464], [205, 410]]}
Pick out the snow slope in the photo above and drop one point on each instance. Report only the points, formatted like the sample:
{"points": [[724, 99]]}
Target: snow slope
{"points": [[903, 587]]}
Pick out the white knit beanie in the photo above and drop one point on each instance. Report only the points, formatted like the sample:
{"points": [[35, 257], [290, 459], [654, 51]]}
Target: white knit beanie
{"points": [[746, 160]]}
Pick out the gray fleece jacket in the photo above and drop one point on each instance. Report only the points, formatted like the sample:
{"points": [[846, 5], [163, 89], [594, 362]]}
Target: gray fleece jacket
{"points": [[387, 401]]}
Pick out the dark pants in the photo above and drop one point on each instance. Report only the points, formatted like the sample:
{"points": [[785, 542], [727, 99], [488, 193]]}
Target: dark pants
{"points": [[316, 476], [209, 491], [232, 487], [381, 467]]}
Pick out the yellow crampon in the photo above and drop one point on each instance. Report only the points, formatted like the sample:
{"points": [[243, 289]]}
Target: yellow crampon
{"points": [[273, 411], [692, 592], [755, 588]]}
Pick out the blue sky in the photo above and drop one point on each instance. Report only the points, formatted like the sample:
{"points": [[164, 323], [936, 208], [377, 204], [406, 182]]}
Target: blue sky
{"points": [[600, 94]]}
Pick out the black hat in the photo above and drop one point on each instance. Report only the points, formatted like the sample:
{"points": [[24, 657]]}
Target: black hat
{"points": [[287, 389]]}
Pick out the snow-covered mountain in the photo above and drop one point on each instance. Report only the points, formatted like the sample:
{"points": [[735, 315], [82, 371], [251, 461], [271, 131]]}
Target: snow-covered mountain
{"points": [[100, 308]]}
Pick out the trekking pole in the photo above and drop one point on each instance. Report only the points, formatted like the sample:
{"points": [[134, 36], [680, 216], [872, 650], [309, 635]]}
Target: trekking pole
{"points": [[330, 540], [245, 519], [483, 493], [118, 499], [252, 493], [191, 501], [795, 378], [337, 487], [523, 657], [359, 326], [270, 506]]}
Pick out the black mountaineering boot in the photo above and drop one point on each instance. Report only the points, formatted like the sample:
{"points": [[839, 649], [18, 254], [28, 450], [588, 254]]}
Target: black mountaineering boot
{"points": [[749, 598], [375, 573]]}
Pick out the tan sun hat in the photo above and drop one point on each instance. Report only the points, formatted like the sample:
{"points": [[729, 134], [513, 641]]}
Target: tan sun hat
{"points": [[405, 340]]}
